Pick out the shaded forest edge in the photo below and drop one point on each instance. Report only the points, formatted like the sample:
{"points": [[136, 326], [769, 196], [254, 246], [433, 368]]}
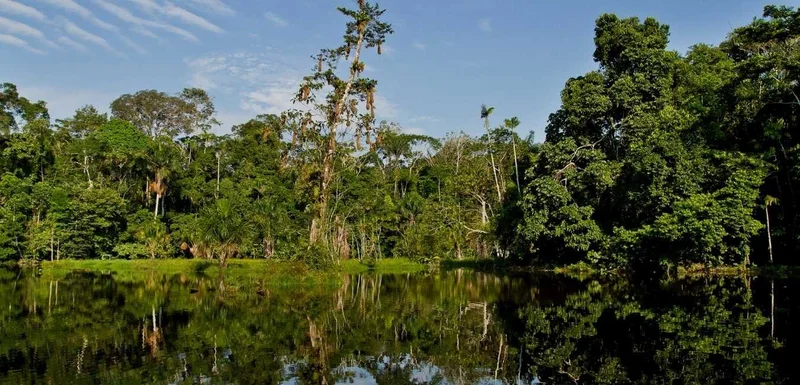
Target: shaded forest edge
{"points": [[655, 161]]}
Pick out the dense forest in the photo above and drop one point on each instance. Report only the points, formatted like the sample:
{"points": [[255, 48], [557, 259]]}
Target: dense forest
{"points": [[655, 159]]}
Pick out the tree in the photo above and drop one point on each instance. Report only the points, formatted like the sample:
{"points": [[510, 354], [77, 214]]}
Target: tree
{"points": [[159, 114], [364, 30], [14, 108], [224, 229]]}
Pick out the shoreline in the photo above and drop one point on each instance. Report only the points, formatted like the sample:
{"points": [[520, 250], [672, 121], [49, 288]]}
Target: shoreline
{"points": [[290, 273]]}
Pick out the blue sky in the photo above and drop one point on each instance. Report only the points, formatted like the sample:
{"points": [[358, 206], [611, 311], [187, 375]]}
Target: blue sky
{"points": [[446, 58]]}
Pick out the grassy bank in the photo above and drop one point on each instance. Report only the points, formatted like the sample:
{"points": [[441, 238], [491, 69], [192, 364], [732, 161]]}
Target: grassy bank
{"points": [[267, 272]]}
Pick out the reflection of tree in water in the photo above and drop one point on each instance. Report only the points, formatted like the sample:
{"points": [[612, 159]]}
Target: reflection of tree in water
{"points": [[449, 327], [681, 332]]}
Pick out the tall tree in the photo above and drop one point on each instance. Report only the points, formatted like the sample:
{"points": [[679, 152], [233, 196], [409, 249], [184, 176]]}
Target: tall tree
{"points": [[340, 107]]}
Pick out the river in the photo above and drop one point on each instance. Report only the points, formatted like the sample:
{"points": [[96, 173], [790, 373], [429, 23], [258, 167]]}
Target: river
{"points": [[442, 327]]}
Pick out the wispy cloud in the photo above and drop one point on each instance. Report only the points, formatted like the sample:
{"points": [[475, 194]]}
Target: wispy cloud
{"points": [[262, 81], [17, 28], [423, 118], [485, 25], [190, 18], [136, 47], [275, 19], [73, 7], [388, 49], [146, 32], [14, 8], [17, 42], [384, 108], [213, 6], [419, 46], [72, 43], [143, 24], [84, 35], [149, 6]]}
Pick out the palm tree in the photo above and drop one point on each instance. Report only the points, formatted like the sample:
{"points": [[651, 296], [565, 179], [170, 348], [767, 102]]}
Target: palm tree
{"points": [[485, 112], [224, 229]]}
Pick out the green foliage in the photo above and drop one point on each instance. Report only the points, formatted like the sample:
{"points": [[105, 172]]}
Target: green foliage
{"points": [[653, 160]]}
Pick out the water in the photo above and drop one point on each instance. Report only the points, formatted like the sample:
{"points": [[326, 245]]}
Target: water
{"points": [[449, 327]]}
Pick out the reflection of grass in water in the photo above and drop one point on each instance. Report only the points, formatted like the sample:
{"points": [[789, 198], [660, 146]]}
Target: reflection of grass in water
{"points": [[267, 273], [386, 266]]}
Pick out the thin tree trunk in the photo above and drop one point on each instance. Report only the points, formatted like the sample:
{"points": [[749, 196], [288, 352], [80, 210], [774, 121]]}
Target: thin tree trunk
{"points": [[772, 310], [496, 181], [155, 208], [216, 195], [86, 170], [516, 165], [769, 235]]}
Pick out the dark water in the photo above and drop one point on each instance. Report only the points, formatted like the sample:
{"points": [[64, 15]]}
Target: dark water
{"points": [[452, 327]]}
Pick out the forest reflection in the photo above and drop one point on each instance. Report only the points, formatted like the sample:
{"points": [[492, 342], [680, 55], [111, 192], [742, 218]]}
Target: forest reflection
{"points": [[454, 327]]}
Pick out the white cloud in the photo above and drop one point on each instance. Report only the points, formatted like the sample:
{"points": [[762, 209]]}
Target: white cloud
{"points": [[275, 19], [261, 83], [418, 45], [485, 25], [84, 35], [17, 28], [136, 47], [73, 7], [143, 24], [385, 109], [190, 18], [213, 6], [14, 8], [17, 42], [72, 43]]}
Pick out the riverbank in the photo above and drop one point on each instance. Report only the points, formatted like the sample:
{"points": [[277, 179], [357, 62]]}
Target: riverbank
{"points": [[273, 273]]}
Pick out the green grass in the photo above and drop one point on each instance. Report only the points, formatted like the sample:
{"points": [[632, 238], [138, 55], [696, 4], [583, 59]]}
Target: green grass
{"points": [[269, 273], [386, 266], [272, 273]]}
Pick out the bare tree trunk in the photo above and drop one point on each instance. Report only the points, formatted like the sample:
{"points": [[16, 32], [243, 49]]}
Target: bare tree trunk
{"points": [[484, 216], [769, 235], [496, 181], [216, 194], [155, 209], [51, 245], [772, 310], [516, 164], [86, 170]]}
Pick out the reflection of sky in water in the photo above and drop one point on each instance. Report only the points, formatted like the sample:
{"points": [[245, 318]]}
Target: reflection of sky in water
{"points": [[421, 372]]}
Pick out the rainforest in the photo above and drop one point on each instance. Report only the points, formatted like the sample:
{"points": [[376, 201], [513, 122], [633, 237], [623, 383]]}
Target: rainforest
{"points": [[649, 237]]}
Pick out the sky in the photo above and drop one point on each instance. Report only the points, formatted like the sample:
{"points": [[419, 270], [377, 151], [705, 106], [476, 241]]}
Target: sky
{"points": [[445, 59]]}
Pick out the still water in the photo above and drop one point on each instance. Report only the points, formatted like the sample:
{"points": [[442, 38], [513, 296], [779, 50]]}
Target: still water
{"points": [[446, 327]]}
